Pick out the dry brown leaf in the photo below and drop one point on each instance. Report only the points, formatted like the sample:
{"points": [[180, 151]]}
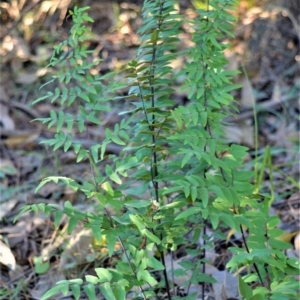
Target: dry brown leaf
{"points": [[48, 189], [69, 194], [3, 94], [45, 282], [52, 246], [7, 207], [21, 140], [297, 244], [233, 60], [174, 265], [276, 95], [241, 133], [6, 121], [78, 248], [20, 227], [247, 94], [79, 237], [6, 256], [26, 78], [17, 233], [226, 285], [16, 273], [43, 108], [288, 236]]}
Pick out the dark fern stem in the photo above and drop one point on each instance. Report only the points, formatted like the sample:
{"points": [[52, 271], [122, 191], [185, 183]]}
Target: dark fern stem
{"points": [[154, 154], [247, 249]]}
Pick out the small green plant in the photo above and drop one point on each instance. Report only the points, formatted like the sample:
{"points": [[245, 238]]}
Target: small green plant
{"points": [[176, 174]]}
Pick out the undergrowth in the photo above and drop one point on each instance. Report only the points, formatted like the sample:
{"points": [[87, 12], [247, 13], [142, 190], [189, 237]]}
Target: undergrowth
{"points": [[176, 176]]}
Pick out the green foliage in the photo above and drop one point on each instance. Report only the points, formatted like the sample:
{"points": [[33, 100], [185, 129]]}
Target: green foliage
{"points": [[176, 174]]}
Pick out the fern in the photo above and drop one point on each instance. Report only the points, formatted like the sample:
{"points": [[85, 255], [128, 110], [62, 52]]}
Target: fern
{"points": [[176, 174]]}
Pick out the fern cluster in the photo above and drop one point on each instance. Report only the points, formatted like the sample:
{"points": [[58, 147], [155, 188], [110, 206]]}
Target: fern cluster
{"points": [[176, 175]]}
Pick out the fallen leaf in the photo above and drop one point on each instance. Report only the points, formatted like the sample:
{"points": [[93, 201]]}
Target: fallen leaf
{"points": [[287, 237], [247, 94], [6, 256], [241, 133], [297, 244], [79, 246], [45, 283], [7, 207], [69, 194], [48, 189], [232, 58], [226, 285], [26, 78], [6, 121], [276, 95], [17, 233], [3, 94], [21, 140], [174, 265], [79, 238]]}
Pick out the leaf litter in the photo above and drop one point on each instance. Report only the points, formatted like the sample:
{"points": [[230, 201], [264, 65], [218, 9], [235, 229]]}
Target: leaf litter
{"points": [[274, 81]]}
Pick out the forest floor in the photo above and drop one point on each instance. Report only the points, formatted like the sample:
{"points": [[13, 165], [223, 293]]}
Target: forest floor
{"points": [[265, 50]]}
